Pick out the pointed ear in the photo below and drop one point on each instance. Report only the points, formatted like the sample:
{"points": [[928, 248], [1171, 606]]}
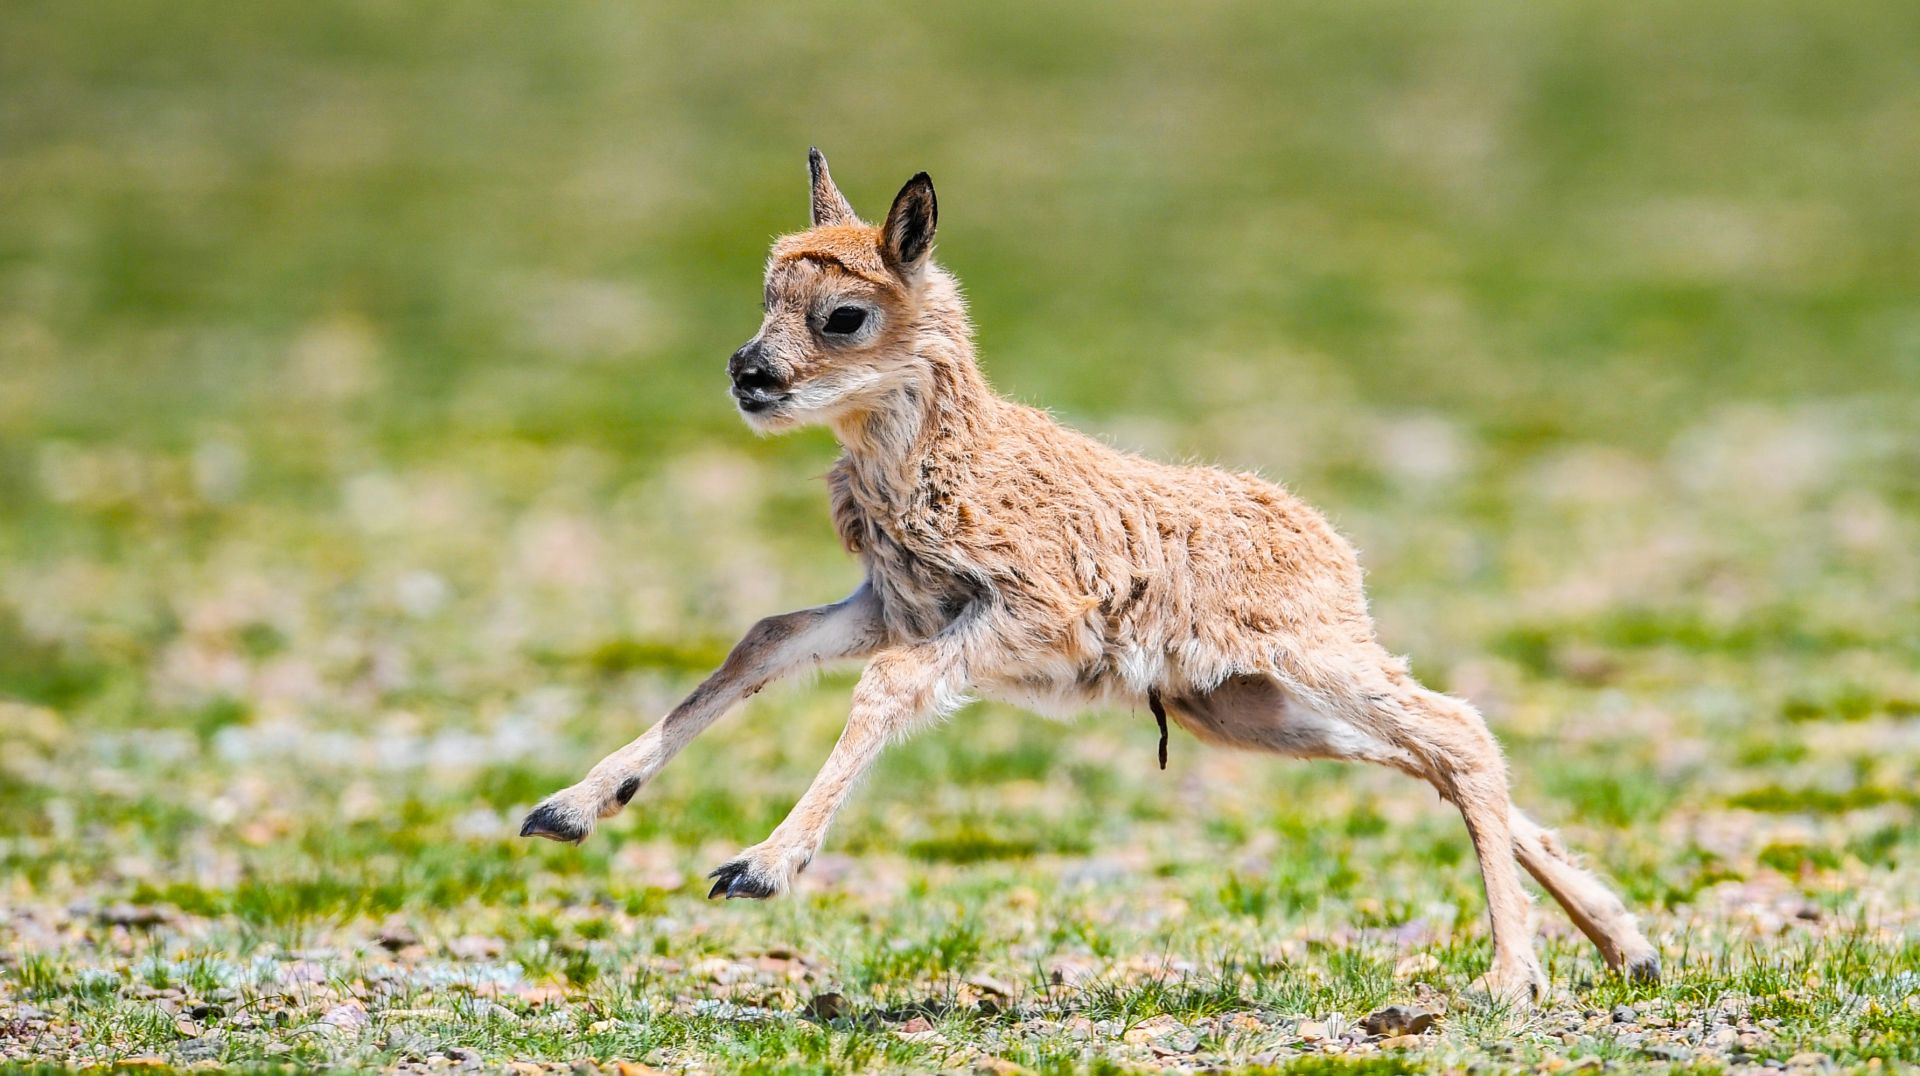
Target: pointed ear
{"points": [[829, 205], [907, 237]]}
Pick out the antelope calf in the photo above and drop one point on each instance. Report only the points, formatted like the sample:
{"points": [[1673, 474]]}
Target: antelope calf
{"points": [[1010, 557]]}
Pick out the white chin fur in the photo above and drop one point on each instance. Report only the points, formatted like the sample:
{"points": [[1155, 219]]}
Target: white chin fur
{"points": [[774, 420], [812, 403]]}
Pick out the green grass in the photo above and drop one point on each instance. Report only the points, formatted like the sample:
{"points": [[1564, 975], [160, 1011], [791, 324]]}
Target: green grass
{"points": [[366, 474]]}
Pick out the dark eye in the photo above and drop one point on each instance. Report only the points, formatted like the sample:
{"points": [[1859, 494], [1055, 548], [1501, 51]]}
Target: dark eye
{"points": [[844, 320]]}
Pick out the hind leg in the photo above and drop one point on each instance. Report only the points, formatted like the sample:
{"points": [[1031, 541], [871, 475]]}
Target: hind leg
{"points": [[1462, 761], [1386, 719], [1589, 903]]}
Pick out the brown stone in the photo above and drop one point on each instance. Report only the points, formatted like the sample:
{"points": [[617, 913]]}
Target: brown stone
{"points": [[1395, 1020]]}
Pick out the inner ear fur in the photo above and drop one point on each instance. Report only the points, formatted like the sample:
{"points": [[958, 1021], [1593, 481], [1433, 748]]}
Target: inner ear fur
{"points": [[907, 237]]}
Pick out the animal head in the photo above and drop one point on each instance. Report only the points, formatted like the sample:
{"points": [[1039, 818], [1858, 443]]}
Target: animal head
{"points": [[844, 307]]}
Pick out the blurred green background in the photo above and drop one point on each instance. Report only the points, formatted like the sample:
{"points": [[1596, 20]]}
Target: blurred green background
{"points": [[366, 469], [544, 223]]}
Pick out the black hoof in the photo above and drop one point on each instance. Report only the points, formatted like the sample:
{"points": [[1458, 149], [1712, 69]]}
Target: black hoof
{"points": [[737, 879], [555, 824], [1644, 969]]}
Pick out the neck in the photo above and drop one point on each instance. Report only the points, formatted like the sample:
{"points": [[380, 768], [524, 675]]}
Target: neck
{"points": [[941, 398]]}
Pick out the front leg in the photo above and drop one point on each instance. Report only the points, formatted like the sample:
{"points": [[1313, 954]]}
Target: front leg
{"points": [[897, 691], [775, 647]]}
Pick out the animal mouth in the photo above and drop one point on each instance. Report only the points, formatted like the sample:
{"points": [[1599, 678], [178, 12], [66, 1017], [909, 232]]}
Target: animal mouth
{"points": [[755, 405]]}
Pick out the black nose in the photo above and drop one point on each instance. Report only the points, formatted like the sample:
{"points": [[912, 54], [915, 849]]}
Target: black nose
{"points": [[754, 381]]}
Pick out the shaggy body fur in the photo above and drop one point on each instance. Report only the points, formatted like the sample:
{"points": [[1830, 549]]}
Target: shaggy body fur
{"points": [[1009, 556]]}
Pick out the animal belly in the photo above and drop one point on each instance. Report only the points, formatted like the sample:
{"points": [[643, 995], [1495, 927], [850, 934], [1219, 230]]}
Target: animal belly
{"points": [[1060, 692], [1258, 713]]}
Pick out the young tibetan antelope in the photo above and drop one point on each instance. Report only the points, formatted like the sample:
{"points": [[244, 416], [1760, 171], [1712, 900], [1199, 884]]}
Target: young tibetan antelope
{"points": [[1010, 557]]}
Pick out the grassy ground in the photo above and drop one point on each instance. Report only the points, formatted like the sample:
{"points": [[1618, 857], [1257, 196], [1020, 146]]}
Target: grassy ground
{"points": [[365, 474]]}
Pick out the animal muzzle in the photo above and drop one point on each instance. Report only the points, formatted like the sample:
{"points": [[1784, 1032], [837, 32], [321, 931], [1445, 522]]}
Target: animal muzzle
{"points": [[757, 386]]}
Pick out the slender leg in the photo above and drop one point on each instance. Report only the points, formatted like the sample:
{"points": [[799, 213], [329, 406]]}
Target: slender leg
{"points": [[1378, 714], [1480, 792], [1445, 741], [1459, 756], [899, 689], [1454, 750], [1589, 903], [775, 647]]}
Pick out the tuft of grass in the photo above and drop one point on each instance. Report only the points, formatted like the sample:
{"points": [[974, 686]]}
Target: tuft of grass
{"points": [[1796, 858], [46, 671], [1811, 799], [975, 843], [1848, 703], [1185, 997], [1345, 1066], [623, 655]]}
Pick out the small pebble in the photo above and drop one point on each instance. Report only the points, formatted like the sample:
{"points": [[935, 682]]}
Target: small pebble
{"points": [[1397, 1020], [828, 1005]]}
